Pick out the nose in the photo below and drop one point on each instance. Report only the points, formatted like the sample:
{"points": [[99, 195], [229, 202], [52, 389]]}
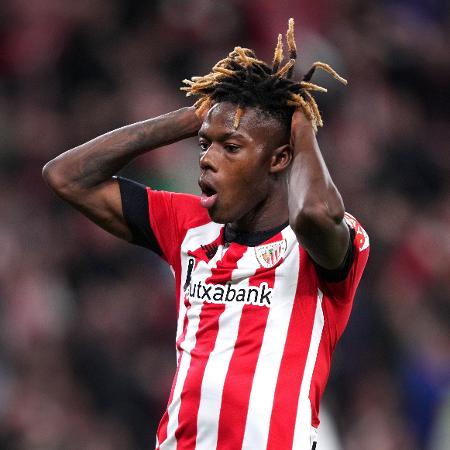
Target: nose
{"points": [[208, 159]]}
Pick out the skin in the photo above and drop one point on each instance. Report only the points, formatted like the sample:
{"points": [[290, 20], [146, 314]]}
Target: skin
{"points": [[316, 209], [83, 175], [262, 175], [232, 160]]}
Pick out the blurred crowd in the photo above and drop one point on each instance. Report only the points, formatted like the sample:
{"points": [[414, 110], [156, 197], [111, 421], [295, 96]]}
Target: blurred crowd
{"points": [[87, 322]]}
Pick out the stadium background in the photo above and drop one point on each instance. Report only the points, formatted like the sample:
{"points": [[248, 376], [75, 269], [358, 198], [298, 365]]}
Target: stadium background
{"points": [[87, 322]]}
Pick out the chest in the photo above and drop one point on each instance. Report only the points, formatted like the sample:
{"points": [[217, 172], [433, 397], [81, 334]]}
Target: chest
{"points": [[217, 274]]}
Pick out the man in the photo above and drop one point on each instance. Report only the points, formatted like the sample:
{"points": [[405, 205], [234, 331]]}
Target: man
{"points": [[266, 262]]}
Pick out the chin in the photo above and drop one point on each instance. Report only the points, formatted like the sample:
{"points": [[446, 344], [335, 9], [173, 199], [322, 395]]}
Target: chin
{"points": [[217, 218], [219, 215]]}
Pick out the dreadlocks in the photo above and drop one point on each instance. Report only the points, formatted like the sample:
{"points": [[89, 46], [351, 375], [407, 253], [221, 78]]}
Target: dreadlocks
{"points": [[246, 81]]}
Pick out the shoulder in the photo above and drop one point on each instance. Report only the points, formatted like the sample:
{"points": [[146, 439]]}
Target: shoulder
{"points": [[185, 209], [172, 215]]}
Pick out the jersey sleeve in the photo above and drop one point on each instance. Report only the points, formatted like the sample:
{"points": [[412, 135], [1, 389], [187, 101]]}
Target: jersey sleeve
{"points": [[136, 213], [159, 220], [341, 285]]}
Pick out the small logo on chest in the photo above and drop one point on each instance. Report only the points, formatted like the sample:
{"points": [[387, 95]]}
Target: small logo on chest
{"points": [[268, 255], [210, 250]]}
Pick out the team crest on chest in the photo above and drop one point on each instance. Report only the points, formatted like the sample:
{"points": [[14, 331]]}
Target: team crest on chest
{"points": [[268, 255]]}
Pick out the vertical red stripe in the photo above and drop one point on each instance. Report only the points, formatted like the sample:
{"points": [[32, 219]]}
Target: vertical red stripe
{"points": [[206, 336], [287, 391], [239, 378]]}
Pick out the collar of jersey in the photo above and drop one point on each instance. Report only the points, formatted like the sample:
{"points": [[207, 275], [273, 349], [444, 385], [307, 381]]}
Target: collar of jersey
{"points": [[251, 238]]}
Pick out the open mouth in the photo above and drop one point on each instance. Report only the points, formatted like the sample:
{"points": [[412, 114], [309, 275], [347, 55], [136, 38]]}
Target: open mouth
{"points": [[208, 191], [209, 194]]}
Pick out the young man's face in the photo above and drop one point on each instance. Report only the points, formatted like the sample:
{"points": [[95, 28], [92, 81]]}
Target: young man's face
{"points": [[235, 164]]}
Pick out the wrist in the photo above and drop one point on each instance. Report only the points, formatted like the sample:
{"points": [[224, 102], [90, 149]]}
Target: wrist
{"points": [[302, 132], [301, 125], [190, 121]]}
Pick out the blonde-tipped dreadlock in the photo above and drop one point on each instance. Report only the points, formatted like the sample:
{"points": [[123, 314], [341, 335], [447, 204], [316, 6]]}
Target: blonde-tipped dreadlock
{"points": [[278, 56], [244, 80]]}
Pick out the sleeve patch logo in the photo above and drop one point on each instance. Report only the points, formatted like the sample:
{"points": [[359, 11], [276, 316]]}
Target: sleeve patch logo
{"points": [[269, 255], [361, 238]]}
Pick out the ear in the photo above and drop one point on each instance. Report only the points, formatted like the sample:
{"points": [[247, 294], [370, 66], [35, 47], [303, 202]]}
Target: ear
{"points": [[281, 158]]}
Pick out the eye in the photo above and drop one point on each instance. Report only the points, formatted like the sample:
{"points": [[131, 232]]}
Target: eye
{"points": [[231, 148], [203, 146]]}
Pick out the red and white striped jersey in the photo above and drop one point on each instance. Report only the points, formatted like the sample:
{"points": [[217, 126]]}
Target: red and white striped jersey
{"points": [[257, 326]]}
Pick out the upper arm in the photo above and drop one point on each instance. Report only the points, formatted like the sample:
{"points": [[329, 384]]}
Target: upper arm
{"points": [[316, 209], [136, 211], [121, 207], [325, 238], [341, 284], [102, 204]]}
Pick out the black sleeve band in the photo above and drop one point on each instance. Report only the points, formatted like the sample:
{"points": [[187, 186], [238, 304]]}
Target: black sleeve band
{"points": [[339, 274], [136, 213]]}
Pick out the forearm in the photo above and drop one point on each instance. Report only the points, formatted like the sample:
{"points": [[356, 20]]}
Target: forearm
{"points": [[316, 209], [96, 161], [311, 189]]}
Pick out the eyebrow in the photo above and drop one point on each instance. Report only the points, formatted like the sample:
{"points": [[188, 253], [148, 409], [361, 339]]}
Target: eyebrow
{"points": [[224, 136]]}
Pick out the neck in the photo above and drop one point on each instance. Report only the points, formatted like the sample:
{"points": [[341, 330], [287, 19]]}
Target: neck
{"points": [[267, 214]]}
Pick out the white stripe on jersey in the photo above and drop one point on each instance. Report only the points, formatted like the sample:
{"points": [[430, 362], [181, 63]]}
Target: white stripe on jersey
{"points": [[195, 237], [217, 366], [303, 432], [266, 373]]}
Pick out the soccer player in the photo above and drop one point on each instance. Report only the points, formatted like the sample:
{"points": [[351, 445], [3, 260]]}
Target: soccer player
{"points": [[266, 261]]}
